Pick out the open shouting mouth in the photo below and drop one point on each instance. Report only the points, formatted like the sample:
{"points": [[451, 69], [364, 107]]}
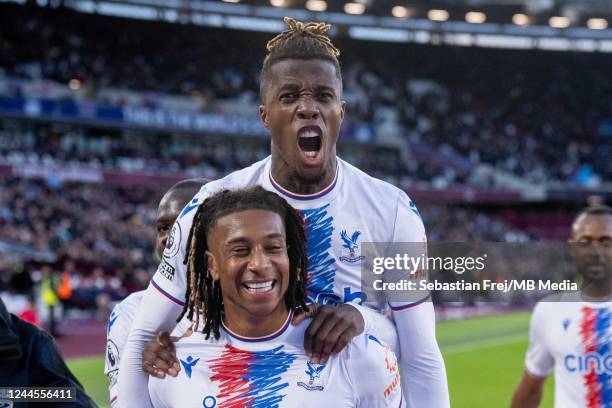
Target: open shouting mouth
{"points": [[310, 141]]}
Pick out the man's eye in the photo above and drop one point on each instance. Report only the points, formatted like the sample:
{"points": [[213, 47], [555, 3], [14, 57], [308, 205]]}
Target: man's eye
{"points": [[326, 96], [289, 96], [606, 243], [240, 251]]}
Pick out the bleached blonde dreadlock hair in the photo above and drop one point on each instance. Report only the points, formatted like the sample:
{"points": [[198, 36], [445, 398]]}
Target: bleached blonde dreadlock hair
{"points": [[300, 41]]}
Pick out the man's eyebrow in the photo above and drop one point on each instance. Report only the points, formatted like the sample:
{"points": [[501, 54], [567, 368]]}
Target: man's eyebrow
{"points": [[323, 87], [289, 86], [243, 240], [237, 240]]}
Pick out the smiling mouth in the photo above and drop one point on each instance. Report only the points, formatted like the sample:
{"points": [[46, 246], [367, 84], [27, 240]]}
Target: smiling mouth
{"points": [[310, 140], [259, 287]]}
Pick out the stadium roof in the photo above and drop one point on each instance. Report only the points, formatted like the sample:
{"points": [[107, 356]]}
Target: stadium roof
{"points": [[538, 12], [557, 25]]}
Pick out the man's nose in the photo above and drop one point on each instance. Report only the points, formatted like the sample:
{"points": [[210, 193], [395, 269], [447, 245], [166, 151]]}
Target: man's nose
{"points": [[259, 259], [308, 108]]}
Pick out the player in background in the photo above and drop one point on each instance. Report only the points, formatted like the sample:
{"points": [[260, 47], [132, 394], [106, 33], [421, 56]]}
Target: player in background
{"points": [[247, 276], [573, 335], [121, 317], [302, 107]]}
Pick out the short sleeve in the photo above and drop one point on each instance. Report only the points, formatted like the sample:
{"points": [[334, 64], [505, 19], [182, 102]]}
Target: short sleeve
{"points": [[538, 362]]}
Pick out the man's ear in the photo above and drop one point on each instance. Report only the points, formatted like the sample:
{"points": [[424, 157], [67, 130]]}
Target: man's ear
{"points": [[213, 268], [342, 109], [263, 115]]}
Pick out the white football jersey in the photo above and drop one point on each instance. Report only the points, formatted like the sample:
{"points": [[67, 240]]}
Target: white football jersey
{"points": [[274, 372], [354, 208], [119, 324], [574, 340]]}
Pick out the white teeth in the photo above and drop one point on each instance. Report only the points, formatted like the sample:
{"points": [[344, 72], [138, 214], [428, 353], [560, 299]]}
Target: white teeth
{"points": [[259, 286], [309, 133], [310, 154]]}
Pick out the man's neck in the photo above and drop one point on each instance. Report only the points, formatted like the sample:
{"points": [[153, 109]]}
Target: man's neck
{"points": [[290, 181], [248, 325], [597, 292]]}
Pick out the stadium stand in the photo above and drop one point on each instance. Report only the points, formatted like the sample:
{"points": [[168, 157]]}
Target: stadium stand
{"points": [[432, 117], [546, 122]]}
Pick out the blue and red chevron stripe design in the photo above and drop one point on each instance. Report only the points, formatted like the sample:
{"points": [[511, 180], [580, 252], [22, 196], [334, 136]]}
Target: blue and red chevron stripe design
{"points": [[250, 379], [594, 330]]}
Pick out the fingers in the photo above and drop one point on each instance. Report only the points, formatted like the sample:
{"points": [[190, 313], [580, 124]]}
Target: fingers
{"points": [[161, 361], [343, 341], [168, 352], [327, 337], [312, 311], [331, 329], [165, 340], [159, 357], [315, 337]]}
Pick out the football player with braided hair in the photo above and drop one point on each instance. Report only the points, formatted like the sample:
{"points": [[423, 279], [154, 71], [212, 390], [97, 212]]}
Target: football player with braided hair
{"points": [[342, 207]]}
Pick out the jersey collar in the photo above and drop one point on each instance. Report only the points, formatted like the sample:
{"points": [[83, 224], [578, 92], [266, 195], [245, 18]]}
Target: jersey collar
{"points": [[306, 200], [269, 337]]}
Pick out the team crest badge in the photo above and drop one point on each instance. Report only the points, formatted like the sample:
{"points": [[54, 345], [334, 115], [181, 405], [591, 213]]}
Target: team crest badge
{"points": [[351, 244], [314, 375]]}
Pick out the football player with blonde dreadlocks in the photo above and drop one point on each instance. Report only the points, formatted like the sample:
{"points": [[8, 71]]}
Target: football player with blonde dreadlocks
{"points": [[342, 207]]}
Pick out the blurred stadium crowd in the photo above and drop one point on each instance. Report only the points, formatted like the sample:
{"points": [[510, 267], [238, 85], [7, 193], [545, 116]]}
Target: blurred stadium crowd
{"points": [[545, 122], [106, 233], [444, 112]]}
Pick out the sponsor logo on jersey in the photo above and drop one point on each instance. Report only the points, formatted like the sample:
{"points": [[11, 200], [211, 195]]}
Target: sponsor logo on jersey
{"points": [[314, 373], [251, 378], [188, 365], [351, 244], [189, 207], [174, 241], [209, 402], [166, 270], [566, 324], [390, 365], [590, 362], [330, 298]]}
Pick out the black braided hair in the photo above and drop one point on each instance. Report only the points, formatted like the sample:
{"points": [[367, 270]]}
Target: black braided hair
{"points": [[203, 294]]}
